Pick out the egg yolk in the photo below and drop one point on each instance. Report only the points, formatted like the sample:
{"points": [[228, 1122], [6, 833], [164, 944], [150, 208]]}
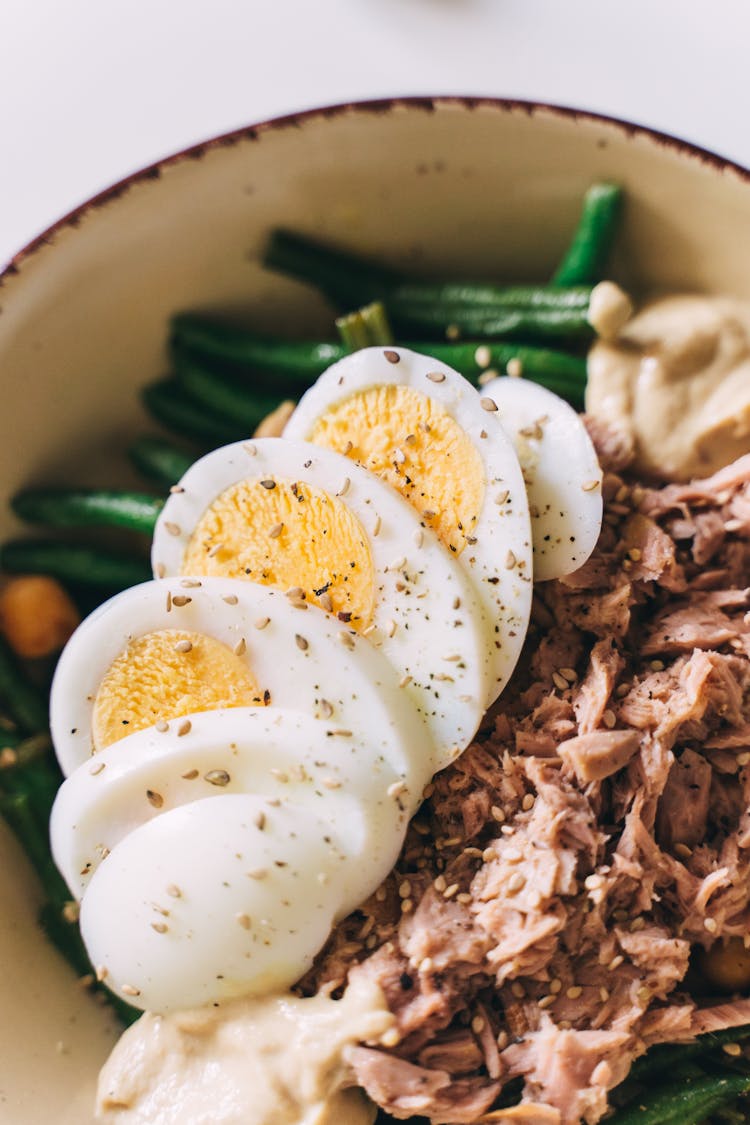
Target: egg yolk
{"points": [[288, 535], [413, 443], [166, 675]]}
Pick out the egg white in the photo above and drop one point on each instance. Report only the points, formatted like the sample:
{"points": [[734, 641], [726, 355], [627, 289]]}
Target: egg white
{"points": [[429, 622], [502, 532], [561, 470]]}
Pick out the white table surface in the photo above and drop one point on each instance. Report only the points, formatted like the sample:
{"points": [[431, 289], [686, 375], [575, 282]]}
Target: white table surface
{"points": [[91, 90]]}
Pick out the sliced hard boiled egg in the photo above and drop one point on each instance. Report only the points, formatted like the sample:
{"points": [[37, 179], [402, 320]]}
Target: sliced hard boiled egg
{"points": [[305, 519], [275, 752], [424, 429], [561, 470], [283, 794], [266, 650], [176, 916]]}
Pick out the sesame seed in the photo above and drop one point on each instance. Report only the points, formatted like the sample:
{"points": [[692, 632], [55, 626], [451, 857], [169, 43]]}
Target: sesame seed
{"points": [[295, 593], [528, 802], [326, 602], [97, 768], [190, 775], [244, 920], [609, 718], [485, 378], [344, 487], [518, 990], [516, 883], [732, 1049], [452, 332], [184, 728], [154, 798], [478, 1024], [546, 1002], [391, 356], [346, 639], [159, 927], [217, 547], [396, 789], [644, 994], [275, 531], [259, 820], [501, 497], [634, 554], [130, 990], [483, 356], [502, 1040], [436, 376], [711, 925], [190, 583], [183, 646], [376, 527], [173, 528], [326, 708], [683, 851], [390, 628], [268, 484], [604, 995], [440, 884], [464, 898], [743, 759], [397, 564], [510, 560], [616, 962], [217, 777], [258, 873], [249, 449], [555, 986], [331, 783], [592, 882], [450, 891], [488, 404], [657, 665], [301, 642], [390, 1038], [590, 485], [405, 889], [514, 368], [407, 905], [497, 814], [71, 912], [180, 600], [418, 537], [161, 570], [230, 599], [574, 992], [399, 456], [340, 733], [559, 681]]}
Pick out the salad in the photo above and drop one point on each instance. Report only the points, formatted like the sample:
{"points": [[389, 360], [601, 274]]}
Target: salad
{"points": [[494, 841]]}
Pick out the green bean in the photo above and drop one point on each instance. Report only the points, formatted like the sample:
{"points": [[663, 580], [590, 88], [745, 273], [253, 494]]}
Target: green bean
{"points": [[472, 359], [159, 460], [469, 295], [88, 508], [26, 705], [483, 323], [344, 277], [687, 1100], [167, 402], [367, 327], [225, 397], [276, 364], [72, 563], [586, 257]]}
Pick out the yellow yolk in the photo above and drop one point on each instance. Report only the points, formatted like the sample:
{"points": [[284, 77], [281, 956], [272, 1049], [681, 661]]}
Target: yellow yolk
{"points": [[287, 535], [165, 675], [411, 441]]}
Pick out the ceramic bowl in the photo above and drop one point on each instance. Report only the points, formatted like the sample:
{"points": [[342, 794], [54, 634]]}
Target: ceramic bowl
{"points": [[455, 186]]}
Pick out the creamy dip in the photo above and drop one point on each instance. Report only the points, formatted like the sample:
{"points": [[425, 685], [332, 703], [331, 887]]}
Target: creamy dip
{"points": [[677, 381], [271, 1060]]}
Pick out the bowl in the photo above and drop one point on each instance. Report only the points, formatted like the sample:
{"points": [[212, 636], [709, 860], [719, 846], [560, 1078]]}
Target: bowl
{"points": [[452, 185]]}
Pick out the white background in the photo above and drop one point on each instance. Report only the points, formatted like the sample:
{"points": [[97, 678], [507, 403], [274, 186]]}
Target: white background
{"points": [[92, 89]]}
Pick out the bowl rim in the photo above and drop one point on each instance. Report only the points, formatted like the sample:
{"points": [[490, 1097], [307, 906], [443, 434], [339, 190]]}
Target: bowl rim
{"points": [[376, 106]]}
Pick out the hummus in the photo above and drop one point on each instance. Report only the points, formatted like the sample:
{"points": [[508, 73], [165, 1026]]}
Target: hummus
{"points": [[677, 382], [271, 1060]]}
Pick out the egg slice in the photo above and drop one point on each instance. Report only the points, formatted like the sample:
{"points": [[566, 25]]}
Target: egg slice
{"points": [[424, 429], [307, 826], [309, 521], [144, 659], [561, 470]]}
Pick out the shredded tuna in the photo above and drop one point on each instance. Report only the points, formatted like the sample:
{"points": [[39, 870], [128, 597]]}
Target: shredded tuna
{"points": [[538, 927]]}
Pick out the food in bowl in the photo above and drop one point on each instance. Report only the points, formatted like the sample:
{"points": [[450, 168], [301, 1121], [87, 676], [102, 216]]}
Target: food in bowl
{"points": [[458, 891]]}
